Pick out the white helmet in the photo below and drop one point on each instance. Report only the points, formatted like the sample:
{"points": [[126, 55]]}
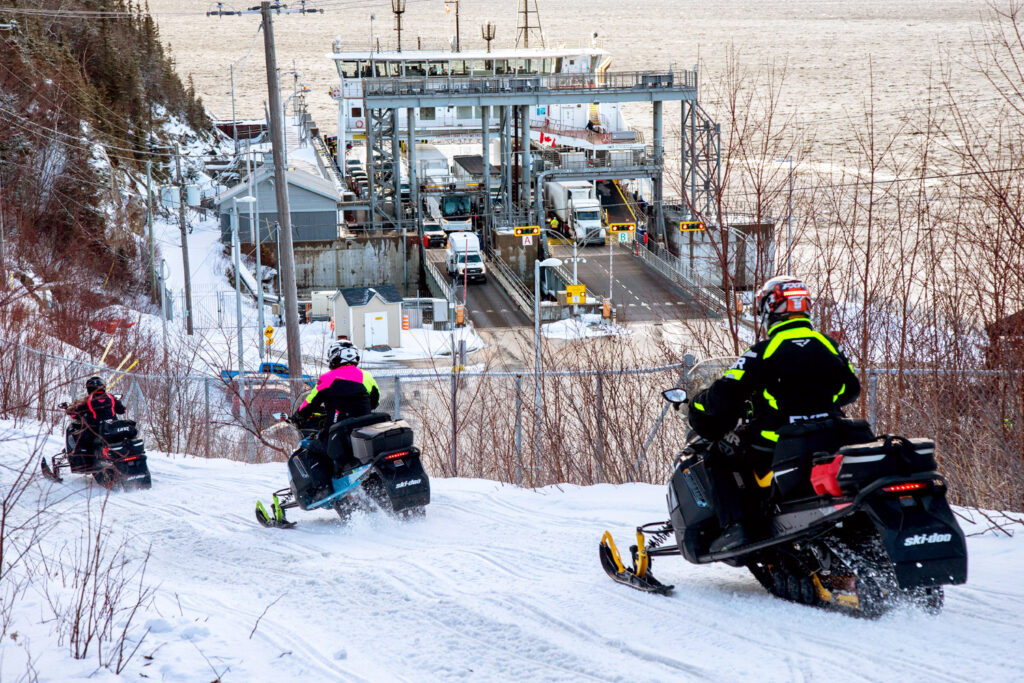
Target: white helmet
{"points": [[342, 353]]}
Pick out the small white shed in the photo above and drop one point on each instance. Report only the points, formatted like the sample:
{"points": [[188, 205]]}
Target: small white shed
{"points": [[369, 316]]}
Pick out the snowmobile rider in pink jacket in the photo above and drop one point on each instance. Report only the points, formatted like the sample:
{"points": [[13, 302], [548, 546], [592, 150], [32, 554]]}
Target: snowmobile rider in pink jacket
{"points": [[796, 374], [343, 391]]}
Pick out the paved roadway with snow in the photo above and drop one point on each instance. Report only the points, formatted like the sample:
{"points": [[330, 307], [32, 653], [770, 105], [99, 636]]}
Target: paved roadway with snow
{"points": [[496, 583]]}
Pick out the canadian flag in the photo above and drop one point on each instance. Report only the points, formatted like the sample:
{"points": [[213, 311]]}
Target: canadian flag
{"points": [[547, 139]]}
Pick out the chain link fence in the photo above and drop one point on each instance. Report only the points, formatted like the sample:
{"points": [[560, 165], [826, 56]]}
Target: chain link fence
{"points": [[582, 426]]}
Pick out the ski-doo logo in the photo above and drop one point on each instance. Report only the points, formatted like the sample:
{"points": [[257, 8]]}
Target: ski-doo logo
{"points": [[409, 482], [921, 539]]}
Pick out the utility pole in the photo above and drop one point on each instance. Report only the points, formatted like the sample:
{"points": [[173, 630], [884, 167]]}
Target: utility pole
{"points": [[234, 118], [184, 240], [487, 33], [458, 38], [149, 224], [287, 264], [398, 7]]}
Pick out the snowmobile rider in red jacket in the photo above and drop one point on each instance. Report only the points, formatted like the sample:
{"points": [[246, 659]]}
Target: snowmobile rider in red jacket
{"points": [[344, 390], [795, 374], [98, 406]]}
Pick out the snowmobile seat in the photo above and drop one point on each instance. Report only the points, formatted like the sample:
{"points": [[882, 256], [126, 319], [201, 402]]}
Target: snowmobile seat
{"points": [[339, 441], [798, 445]]}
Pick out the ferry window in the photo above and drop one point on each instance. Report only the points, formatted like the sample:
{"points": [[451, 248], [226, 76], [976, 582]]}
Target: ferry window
{"points": [[460, 67], [382, 69], [438, 69], [478, 112], [530, 66], [349, 69], [501, 66], [415, 69], [464, 112], [357, 112], [364, 69], [428, 114], [480, 67], [558, 65], [546, 68], [395, 69]]}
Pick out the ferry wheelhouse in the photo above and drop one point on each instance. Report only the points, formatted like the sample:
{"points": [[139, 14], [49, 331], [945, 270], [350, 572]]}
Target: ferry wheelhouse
{"points": [[579, 126]]}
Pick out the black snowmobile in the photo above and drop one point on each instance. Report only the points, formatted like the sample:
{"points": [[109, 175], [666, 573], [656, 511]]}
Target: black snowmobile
{"points": [[116, 457], [359, 462], [853, 522]]}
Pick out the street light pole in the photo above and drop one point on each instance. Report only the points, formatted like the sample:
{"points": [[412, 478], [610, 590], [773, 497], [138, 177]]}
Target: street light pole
{"points": [[254, 214], [537, 265]]}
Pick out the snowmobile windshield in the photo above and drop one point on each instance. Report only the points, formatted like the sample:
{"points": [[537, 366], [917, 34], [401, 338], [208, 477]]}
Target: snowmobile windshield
{"points": [[707, 371]]}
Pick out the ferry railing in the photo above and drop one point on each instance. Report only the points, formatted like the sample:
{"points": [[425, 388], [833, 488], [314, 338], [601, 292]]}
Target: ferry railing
{"points": [[437, 85]]}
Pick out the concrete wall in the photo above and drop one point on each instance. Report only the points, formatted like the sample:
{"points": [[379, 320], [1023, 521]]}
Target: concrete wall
{"points": [[351, 321], [360, 261], [519, 258]]}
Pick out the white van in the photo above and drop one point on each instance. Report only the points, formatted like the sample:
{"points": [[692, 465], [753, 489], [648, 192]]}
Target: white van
{"points": [[463, 257]]}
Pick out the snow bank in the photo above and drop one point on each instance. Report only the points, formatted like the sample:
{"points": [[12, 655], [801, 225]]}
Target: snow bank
{"points": [[584, 327], [496, 583]]}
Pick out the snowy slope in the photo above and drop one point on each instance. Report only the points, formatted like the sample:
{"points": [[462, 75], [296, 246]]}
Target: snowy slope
{"points": [[497, 583]]}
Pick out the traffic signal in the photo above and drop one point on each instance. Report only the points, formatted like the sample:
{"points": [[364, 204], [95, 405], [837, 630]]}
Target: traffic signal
{"points": [[527, 231], [691, 226], [622, 227]]}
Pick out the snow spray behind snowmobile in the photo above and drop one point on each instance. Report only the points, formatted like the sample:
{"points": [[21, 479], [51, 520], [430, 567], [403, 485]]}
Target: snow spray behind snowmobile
{"points": [[867, 527], [114, 456], [348, 464]]}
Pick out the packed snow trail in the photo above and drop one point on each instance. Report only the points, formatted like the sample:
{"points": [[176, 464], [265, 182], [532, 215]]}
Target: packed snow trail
{"points": [[496, 583]]}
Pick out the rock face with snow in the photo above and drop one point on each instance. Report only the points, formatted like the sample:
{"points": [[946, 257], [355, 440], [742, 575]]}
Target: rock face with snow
{"points": [[496, 583]]}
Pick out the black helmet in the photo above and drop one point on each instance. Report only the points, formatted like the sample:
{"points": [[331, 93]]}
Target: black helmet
{"points": [[94, 383], [342, 353]]}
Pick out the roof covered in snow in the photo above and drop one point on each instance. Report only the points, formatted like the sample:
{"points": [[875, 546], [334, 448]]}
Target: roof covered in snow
{"points": [[360, 296]]}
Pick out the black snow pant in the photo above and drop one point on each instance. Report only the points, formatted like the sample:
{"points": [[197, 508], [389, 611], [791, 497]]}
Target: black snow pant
{"points": [[731, 467]]}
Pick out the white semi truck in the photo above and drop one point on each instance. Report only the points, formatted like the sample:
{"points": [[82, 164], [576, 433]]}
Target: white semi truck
{"points": [[576, 204]]}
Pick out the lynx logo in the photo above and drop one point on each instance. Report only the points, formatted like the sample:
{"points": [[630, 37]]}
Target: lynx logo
{"points": [[409, 482], [921, 539]]}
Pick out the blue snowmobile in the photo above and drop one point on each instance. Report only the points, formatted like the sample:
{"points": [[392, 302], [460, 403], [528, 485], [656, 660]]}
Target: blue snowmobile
{"points": [[360, 462]]}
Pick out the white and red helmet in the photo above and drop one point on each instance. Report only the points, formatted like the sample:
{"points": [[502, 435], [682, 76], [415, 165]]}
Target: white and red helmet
{"points": [[781, 297]]}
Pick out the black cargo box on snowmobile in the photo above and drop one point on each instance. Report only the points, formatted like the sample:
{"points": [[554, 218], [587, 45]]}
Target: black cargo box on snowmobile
{"points": [[372, 440]]}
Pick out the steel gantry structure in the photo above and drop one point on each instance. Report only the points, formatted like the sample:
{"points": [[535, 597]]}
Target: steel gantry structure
{"points": [[511, 97]]}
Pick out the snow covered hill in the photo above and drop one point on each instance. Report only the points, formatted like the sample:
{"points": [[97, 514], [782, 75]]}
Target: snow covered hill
{"points": [[496, 583]]}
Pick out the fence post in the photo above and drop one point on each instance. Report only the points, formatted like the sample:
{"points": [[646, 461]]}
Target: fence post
{"points": [[398, 397], [455, 418], [600, 428], [872, 397], [206, 428], [519, 430], [41, 408]]}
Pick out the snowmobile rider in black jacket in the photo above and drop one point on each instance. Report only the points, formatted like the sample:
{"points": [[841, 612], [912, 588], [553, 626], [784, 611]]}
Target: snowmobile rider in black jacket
{"points": [[795, 374], [98, 406], [344, 390]]}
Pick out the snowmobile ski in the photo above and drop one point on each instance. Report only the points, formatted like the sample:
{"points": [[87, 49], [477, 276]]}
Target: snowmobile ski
{"points": [[274, 520], [49, 473], [639, 575]]}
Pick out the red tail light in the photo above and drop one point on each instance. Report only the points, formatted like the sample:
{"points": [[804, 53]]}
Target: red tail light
{"points": [[396, 456], [134, 457], [900, 488]]}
